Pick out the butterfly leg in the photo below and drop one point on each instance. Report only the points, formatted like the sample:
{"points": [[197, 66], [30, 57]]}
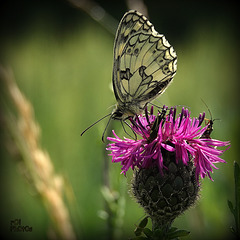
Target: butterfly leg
{"points": [[135, 135]]}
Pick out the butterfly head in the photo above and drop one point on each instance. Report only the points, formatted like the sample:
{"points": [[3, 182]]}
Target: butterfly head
{"points": [[124, 111], [117, 114], [121, 113]]}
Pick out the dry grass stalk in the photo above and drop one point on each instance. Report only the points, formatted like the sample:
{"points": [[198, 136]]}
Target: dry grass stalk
{"points": [[25, 133]]}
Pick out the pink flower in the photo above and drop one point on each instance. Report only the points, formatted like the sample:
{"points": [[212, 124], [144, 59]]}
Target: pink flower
{"points": [[180, 134]]}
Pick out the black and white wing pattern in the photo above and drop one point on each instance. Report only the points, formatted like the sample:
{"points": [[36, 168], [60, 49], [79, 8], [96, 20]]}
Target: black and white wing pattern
{"points": [[144, 65]]}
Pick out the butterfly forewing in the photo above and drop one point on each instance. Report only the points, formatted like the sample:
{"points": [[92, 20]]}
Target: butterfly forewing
{"points": [[144, 64], [131, 23]]}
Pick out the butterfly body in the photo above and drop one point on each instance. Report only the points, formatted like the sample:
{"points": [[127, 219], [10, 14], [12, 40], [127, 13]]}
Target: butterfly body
{"points": [[209, 129], [125, 110], [209, 123], [144, 65]]}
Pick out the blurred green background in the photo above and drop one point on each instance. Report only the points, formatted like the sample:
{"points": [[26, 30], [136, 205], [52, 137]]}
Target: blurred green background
{"points": [[62, 61]]}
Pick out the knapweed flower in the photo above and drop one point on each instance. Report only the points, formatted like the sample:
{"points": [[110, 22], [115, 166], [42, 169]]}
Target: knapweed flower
{"points": [[180, 134], [171, 154]]}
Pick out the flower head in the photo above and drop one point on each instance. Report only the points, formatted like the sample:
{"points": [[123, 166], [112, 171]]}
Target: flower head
{"points": [[167, 131]]}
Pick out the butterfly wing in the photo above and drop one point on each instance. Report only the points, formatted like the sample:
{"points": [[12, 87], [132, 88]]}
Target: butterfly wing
{"points": [[144, 62]]}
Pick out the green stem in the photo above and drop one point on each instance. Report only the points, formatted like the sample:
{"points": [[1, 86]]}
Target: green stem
{"points": [[163, 227], [237, 196]]}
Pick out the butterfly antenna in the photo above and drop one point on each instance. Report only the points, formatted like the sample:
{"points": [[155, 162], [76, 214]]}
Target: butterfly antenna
{"points": [[95, 123], [154, 105], [106, 126], [207, 108], [182, 105]]}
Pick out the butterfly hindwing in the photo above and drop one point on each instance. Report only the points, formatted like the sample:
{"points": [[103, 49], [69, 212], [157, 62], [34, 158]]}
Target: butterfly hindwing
{"points": [[144, 63]]}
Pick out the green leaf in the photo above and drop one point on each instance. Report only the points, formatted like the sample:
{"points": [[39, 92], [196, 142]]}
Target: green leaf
{"points": [[147, 232], [172, 229], [233, 230], [230, 205], [143, 223], [178, 233], [158, 234], [139, 229], [138, 238]]}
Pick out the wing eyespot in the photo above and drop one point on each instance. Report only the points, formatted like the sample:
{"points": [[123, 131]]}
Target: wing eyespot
{"points": [[136, 51], [129, 50]]}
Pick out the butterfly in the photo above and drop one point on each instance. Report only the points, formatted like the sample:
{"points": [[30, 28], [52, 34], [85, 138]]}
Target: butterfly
{"points": [[144, 63], [143, 66]]}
